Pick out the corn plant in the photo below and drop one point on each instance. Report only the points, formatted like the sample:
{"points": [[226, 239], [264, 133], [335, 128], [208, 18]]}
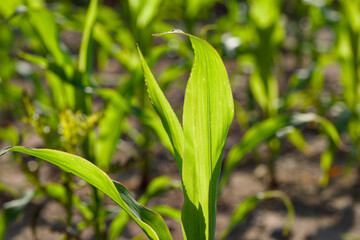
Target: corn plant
{"points": [[197, 147], [67, 81], [348, 54], [247, 40]]}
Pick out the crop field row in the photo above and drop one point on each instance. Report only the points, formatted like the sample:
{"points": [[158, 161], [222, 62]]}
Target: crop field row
{"points": [[182, 119]]}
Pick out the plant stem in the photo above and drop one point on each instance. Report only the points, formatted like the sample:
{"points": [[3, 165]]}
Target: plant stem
{"points": [[69, 203], [96, 202], [274, 146], [289, 207]]}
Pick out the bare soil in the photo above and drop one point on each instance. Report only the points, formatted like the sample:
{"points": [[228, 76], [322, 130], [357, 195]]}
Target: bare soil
{"points": [[329, 213]]}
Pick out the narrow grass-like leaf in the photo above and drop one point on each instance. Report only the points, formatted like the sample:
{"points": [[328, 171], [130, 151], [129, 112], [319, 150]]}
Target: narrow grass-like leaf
{"points": [[10, 134], [151, 223], [146, 215], [110, 126], [169, 120], [156, 187], [168, 212], [240, 214], [326, 161], [44, 25], [250, 203], [85, 56], [208, 113], [12, 209], [149, 118], [268, 128], [58, 192]]}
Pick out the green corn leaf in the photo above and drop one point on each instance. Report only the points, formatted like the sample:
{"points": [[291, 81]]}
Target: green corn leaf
{"points": [[153, 219], [151, 223], [148, 10], [10, 134], [118, 224], [326, 161], [110, 126], [12, 209], [193, 7], [258, 88], [169, 120], [250, 203], [85, 54], [296, 137], [240, 214], [45, 27], [168, 212], [149, 119], [58, 192], [208, 113], [268, 128], [265, 13], [156, 187]]}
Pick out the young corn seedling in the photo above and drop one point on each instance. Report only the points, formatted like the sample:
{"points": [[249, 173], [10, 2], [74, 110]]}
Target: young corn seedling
{"points": [[197, 147], [67, 81], [275, 123], [348, 55]]}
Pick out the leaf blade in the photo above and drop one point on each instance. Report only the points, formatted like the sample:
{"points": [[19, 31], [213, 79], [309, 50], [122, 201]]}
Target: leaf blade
{"points": [[208, 113], [96, 177], [165, 112]]}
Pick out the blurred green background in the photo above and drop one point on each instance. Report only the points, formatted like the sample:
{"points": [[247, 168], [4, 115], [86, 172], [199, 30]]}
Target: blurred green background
{"points": [[70, 79]]}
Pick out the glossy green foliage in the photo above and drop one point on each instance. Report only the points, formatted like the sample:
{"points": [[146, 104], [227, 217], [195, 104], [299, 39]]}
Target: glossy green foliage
{"points": [[110, 126], [247, 205], [155, 188], [208, 112], [166, 114], [269, 128], [151, 223], [12, 209]]}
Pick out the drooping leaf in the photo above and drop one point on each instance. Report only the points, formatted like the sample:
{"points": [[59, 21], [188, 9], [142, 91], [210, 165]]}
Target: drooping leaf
{"points": [[146, 215], [156, 187], [240, 214], [267, 129], [250, 203], [12, 209], [151, 223]]}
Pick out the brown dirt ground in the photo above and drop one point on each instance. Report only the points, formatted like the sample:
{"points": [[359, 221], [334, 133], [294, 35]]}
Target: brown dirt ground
{"points": [[321, 214]]}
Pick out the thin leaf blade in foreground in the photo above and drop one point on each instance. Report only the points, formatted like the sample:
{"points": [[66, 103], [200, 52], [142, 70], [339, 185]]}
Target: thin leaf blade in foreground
{"points": [[208, 113], [148, 220], [169, 120]]}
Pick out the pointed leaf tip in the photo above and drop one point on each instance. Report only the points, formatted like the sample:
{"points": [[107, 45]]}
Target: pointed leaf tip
{"points": [[169, 32]]}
